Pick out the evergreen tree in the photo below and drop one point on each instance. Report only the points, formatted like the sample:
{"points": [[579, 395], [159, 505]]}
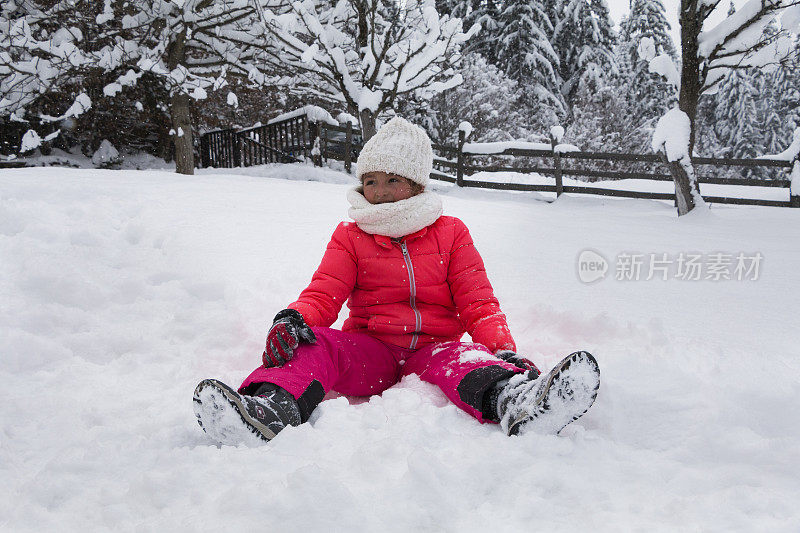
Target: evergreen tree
{"points": [[487, 99], [774, 133], [788, 87], [777, 91], [526, 56], [583, 38], [736, 121], [739, 99], [648, 94], [486, 13]]}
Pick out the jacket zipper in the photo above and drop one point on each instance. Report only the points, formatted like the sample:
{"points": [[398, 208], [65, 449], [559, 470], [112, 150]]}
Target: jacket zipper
{"points": [[413, 298]]}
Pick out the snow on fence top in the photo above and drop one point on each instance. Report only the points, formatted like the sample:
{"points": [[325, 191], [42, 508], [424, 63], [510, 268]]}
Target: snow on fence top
{"points": [[791, 153], [500, 147], [466, 127], [314, 114]]}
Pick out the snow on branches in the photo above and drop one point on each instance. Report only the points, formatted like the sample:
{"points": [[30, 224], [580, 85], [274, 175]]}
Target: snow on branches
{"points": [[363, 53], [747, 38], [189, 45], [738, 41]]}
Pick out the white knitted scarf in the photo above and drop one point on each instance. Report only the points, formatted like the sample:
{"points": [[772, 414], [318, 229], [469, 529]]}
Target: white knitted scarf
{"points": [[394, 219]]}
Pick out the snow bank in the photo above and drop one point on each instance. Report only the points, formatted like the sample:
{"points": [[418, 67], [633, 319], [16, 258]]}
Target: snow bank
{"points": [[106, 154], [120, 290]]}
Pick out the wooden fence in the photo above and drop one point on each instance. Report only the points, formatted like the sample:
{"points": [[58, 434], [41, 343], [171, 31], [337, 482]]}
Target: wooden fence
{"points": [[284, 142]]}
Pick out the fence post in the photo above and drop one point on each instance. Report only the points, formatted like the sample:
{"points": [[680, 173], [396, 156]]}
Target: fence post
{"points": [[204, 151], [557, 161], [313, 139], [237, 150], [348, 141], [663, 156], [460, 161], [794, 187]]}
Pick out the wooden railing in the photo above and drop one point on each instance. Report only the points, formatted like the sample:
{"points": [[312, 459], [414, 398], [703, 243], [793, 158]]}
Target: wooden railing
{"points": [[285, 141], [291, 141]]}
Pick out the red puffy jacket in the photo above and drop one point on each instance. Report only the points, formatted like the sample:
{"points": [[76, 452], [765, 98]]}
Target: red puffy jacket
{"points": [[446, 293]]}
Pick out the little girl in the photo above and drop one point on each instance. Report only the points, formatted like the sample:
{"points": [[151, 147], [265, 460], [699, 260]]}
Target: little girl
{"points": [[414, 284]]}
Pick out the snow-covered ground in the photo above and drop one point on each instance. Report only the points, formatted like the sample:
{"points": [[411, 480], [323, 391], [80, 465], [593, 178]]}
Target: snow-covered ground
{"points": [[120, 290]]}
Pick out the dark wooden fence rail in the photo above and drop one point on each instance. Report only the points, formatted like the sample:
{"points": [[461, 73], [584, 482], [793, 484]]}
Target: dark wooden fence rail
{"points": [[341, 143], [285, 141]]}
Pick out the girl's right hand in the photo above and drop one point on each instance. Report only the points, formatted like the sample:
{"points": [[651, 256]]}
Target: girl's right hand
{"points": [[287, 332]]}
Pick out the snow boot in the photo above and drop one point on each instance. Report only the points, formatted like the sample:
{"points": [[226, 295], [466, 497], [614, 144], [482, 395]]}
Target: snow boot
{"points": [[548, 403], [232, 418]]}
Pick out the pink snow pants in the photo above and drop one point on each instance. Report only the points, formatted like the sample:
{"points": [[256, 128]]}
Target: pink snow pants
{"points": [[356, 364]]}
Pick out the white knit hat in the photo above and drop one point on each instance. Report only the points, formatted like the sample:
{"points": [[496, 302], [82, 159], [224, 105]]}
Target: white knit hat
{"points": [[399, 148]]}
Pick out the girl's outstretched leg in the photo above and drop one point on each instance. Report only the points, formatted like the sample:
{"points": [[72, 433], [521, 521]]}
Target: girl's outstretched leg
{"points": [[272, 398], [546, 405], [232, 418], [350, 363], [465, 372]]}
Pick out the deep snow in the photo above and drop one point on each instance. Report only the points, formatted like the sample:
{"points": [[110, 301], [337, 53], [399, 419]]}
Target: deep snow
{"points": [[120, 290]]}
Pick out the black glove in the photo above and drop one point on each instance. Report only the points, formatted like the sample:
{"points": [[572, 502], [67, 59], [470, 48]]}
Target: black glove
{"points": [[287, 332], [518, 361]]}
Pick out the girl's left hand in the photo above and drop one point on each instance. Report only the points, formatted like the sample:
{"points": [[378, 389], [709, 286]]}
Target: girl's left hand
{"points": [[518, 361]]}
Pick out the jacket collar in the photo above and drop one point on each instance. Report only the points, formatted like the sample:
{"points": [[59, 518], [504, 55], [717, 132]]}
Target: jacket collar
{"points": [[386, 242]]}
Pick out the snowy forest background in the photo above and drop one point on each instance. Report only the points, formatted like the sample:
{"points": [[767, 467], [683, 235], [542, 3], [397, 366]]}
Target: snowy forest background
{"points": [[534, 64]]}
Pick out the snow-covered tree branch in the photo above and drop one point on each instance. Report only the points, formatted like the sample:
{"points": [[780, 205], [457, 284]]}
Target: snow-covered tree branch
{"points": [[362, 54], [708, 54], [188, 45]]}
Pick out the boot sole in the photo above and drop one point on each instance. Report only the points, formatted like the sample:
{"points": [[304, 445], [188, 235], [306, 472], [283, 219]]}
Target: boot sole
{"points": [[563, 396], [227, 419]]}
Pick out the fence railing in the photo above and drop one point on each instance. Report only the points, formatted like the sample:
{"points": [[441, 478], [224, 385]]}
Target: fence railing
{"points": [[286, 141]]}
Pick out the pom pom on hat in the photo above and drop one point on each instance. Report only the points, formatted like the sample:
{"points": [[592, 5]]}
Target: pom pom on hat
{"points": [[399, 148]]}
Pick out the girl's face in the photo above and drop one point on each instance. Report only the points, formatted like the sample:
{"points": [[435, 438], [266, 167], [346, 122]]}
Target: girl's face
{"points": [[380, 187]]}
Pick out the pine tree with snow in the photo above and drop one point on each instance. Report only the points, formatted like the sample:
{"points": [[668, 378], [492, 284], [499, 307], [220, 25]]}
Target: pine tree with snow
{"points": [[738, 124], [488, 99], [583, 39], [737, 118], [487, 13], [774, 135], [526, 55], [787, 85], [775, 88], [648, 94]]}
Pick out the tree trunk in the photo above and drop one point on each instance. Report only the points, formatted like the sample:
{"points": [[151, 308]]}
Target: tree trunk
{"points": [[685, 185], [367, 124], [180, 110], [182, 124]]}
